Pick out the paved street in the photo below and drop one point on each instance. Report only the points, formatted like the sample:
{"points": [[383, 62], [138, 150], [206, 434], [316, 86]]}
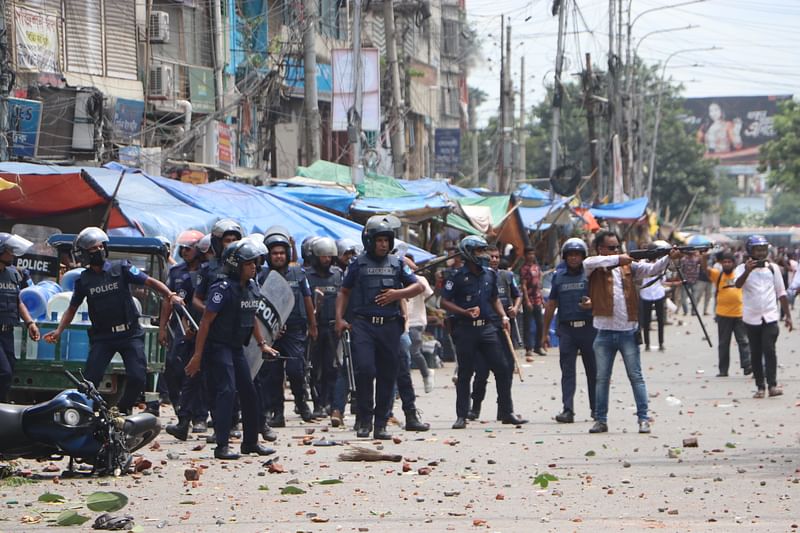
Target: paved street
{"points": [[743, 475]]}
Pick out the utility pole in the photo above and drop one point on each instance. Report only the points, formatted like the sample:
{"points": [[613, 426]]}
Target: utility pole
{"points": [[354, 129], [557, 89], [311, 98], [5, 83], [396, 120], [523, 132], [508, 128], [473, 126], [216, 5], [501, 169], [588, 102]]}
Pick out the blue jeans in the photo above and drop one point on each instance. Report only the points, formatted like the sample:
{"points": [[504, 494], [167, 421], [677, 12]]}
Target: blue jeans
{"points": [[605, 347]]}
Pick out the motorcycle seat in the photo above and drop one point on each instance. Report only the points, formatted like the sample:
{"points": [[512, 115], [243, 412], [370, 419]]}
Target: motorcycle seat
{"points": [[11, 432]]}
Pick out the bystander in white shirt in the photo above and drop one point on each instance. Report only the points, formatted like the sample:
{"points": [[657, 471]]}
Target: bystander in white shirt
{"points": [[760, 294]]}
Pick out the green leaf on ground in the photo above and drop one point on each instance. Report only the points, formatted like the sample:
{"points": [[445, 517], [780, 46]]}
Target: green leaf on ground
{"points": [[730, 445], [70, 518], [263, 487], [16, 481], [291, 489], [106, 502], [590, 453], [329, 482], [49, 497], [544, 479]]}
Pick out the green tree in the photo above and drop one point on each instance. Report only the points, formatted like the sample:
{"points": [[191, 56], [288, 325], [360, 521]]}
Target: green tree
{"points": [[784, 212], [781, 156]]}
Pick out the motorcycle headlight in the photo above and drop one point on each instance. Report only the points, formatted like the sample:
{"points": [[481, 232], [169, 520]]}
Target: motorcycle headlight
{"points": [[71, 417]]}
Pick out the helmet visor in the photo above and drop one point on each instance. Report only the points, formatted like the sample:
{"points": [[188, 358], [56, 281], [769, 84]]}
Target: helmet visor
{"points": [[17, 245]]}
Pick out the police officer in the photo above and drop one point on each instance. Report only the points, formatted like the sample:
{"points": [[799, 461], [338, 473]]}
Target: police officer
{"points": [[300, 325], [346, 250], [470, 295], [511, 298], [11, 307], [105, 285], [226, 327], [569, 294], [223, 233], [324, 279], [186, 394], [374, 283]]}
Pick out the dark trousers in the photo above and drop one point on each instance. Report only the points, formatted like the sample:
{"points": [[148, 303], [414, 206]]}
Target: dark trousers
{"points": [[376, 357], [132, 351], [645, 314], [231, 374], [475, 346], [291, 344], [482, 373], [570, 341], [762, 351], [533, 314], [7, 360], [417, 357], [404, 385], [323, 369], [186, 394], [725, 326]]}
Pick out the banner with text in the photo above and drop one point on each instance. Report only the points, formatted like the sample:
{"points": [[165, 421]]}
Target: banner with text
{"points": [[37, 41]]}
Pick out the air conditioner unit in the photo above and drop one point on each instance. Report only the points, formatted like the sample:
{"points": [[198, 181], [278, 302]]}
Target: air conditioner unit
{"points": [[159, 27], [162, 83]]}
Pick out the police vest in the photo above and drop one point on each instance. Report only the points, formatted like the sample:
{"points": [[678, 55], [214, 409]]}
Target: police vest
{"points": [[471, 290], [329, 287], [233, 324], [109, 298], [210, 272], [571, 288], [10, 280], [505, 281], [374, 276]]}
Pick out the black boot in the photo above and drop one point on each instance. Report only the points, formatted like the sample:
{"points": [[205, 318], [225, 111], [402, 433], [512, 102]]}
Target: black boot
{"points": [[260, 449], [304, 412], [381, 433], [474, 413], [268, 434], [199, 427], [180, 430], [511, 418], [225, 453], [413, 423], [460, 423], [363, 429], [277, 421], [319, 412]]}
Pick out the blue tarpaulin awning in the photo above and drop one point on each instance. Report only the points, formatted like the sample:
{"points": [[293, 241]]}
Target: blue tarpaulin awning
{"points": [[336, 200], [531, 216], [630, 210], [429, 186]]}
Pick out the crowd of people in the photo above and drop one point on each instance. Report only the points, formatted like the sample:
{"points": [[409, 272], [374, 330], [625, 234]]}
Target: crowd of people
{"points": [[368, 303]]}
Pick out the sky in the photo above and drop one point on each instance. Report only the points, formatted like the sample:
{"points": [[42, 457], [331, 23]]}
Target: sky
{"points": [[757, 44]]}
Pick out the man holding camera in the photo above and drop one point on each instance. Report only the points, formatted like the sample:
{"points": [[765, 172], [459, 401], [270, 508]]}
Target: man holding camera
{"points": [[762, 287]]}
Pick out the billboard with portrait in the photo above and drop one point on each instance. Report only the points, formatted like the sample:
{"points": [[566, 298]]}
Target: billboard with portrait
{"points": [[733, 128]]}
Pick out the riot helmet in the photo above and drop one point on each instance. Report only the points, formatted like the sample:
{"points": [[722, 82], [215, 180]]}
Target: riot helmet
{"points": [[374, 228], [237, 254], [323, 247], [470, 248], [574, 245], [204, 244], [221, 228], [15, 244], [306, 248], [87, 239]]}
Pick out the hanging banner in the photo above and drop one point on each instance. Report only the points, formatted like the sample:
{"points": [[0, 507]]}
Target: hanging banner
{"points": [[225, 147], [37, 41], [344, 89]]}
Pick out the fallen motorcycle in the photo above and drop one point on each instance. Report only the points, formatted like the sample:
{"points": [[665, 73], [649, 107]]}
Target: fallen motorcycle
{"points": [[76, 423]]}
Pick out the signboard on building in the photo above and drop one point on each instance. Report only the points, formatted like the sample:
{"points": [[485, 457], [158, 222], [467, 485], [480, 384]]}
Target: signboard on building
{"points": [[127, 123], [225, 147], [37, 40], [733, 128], [201, 89], [25, 118], [447, 151]]}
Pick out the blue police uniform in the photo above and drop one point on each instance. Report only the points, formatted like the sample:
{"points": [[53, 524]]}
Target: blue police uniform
{"points": [[292, 344], [376, 331], [208, 273], [10, 285], [507, 292], [115, 325], [575, 332], [186, 394], [477, 339], [224, 359], [323, 350]]}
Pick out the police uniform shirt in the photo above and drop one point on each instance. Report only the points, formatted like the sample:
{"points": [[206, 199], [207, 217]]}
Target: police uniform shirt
{"points": [[109, 297], [567, 289], [10, 285], [235, 307], [507, 288], [208, 273], [466, 290], [351, 276]]}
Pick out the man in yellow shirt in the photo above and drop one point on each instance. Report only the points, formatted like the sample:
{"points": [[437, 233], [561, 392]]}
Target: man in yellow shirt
{"points": [[728, 313]]}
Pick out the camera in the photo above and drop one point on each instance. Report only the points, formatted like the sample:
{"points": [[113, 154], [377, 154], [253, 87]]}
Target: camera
{"points": [[761, 264]]}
